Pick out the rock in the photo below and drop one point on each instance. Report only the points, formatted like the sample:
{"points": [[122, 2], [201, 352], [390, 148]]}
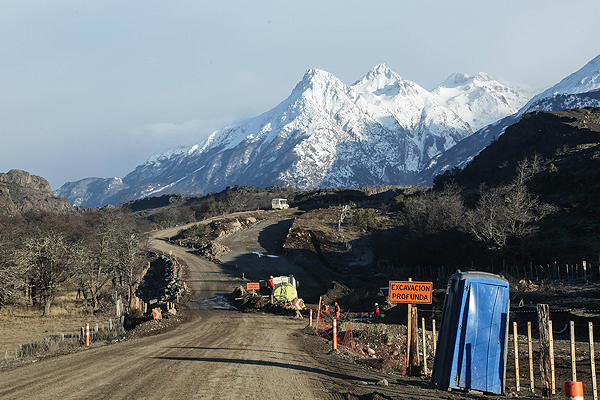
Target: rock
{"points": [[370, 351], [383, 382], [20, 192]]}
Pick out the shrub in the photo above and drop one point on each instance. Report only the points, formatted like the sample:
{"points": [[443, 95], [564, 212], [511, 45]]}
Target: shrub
{"points": [[365, 218], [194, 230]]}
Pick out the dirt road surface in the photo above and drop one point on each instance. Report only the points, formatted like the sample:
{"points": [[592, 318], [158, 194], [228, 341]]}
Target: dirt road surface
{"points": [[220, 354]]}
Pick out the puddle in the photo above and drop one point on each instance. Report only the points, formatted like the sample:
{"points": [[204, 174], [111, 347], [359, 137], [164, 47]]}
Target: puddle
{"points": [[219, 302]]}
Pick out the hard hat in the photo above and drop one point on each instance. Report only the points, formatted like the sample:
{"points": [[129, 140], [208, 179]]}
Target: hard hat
{"points": [[376, 304], [271, 277]]}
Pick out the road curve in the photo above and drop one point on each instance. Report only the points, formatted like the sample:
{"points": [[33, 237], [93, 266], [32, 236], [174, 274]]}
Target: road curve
{"points": [[220, 354]]}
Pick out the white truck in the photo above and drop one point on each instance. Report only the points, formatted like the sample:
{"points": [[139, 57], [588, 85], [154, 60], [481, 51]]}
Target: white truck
{"points": [[279, 204]]}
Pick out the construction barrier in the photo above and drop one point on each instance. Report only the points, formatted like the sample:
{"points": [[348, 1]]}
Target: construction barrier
{"points": [[87, 334], [574, 390], [334, 334], [156, 313]]}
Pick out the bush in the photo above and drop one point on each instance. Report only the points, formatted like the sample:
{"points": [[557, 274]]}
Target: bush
{"points": [[194, 230], [365, 218]]}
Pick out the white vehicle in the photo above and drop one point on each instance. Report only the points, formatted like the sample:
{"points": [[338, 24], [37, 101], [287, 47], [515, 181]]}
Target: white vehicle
{"points": [[279, 204]]}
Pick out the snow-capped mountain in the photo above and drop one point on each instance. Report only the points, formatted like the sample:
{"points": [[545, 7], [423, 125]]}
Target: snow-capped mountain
{"points": [[578, 90], [479, 100], [586, 79], [380, 130]]}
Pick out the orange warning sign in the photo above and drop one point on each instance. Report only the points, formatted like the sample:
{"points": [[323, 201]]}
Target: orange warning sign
{"points": [[253, 286], [410, 292], [298, 304]]}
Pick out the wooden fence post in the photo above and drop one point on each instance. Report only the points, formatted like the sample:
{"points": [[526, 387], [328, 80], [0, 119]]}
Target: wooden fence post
{"points": [[592, 361], [424, 348], [573, 366], [530, 349], [414, 346], [551, 348], [434, 337], [545, 332], [516, 342]]}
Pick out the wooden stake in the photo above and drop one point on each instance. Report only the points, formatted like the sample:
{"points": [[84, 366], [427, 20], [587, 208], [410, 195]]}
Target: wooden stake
{"points": [[592, 361], [552, 369], [424, 348], [573, 366], [434, 337], [530, 349], [545, 328], [414, 346], [516, 342]]}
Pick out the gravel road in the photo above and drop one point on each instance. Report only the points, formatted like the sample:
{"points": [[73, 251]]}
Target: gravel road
{"points": [[221, 354]]}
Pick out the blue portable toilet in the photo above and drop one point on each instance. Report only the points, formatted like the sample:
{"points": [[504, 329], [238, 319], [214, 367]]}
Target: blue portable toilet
{"points": [[471, 349]]}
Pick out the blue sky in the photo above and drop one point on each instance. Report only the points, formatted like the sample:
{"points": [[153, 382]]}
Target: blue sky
{"points": [[94, 88]]}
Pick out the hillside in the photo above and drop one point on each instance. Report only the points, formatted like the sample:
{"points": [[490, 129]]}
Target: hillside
{"points": [[20, 192], [567, 177]]}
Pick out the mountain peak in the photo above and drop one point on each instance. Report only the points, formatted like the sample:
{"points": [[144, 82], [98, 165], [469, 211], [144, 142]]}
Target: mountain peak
{"points": [[379, 77]]}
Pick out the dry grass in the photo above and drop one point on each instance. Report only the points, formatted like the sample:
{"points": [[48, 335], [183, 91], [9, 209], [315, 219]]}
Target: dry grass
{"points": [[20, 324]]}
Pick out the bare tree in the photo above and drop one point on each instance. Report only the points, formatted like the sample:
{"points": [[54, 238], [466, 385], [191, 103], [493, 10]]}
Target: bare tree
{"points": [[129, 249], [506, 212], [435, 211], [48, 258]]}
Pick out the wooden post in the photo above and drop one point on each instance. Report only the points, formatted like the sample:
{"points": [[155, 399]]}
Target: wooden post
{"points": [[415, 368], [408, 335], [530, 349], [434, 337], [424, 347], [551, 348], [516, 342], [592, 361], [545, 331], [573, 366]]}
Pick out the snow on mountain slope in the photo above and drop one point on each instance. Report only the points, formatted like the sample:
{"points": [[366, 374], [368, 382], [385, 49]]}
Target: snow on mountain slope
{"points": [[380, 127], [479, 100], [380, 130], [580, 89], [586, 79]]}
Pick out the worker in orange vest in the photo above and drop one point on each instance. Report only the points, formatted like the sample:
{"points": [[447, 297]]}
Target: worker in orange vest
{"points": [[324, 307], [337, 310], [271, 284]]}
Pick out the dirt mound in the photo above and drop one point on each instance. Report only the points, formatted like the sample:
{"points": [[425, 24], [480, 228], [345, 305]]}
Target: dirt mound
{"points": [[230, 225], [211, 249], [371, 334], [342, 294]]}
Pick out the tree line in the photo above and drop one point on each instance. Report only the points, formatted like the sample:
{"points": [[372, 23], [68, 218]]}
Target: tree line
{"points": [[43, 253]]}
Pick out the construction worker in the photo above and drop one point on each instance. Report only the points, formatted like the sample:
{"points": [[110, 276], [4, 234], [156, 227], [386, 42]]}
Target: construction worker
{"points": [[377, 311], [271, 284], [324, 307], [337, 310]]}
